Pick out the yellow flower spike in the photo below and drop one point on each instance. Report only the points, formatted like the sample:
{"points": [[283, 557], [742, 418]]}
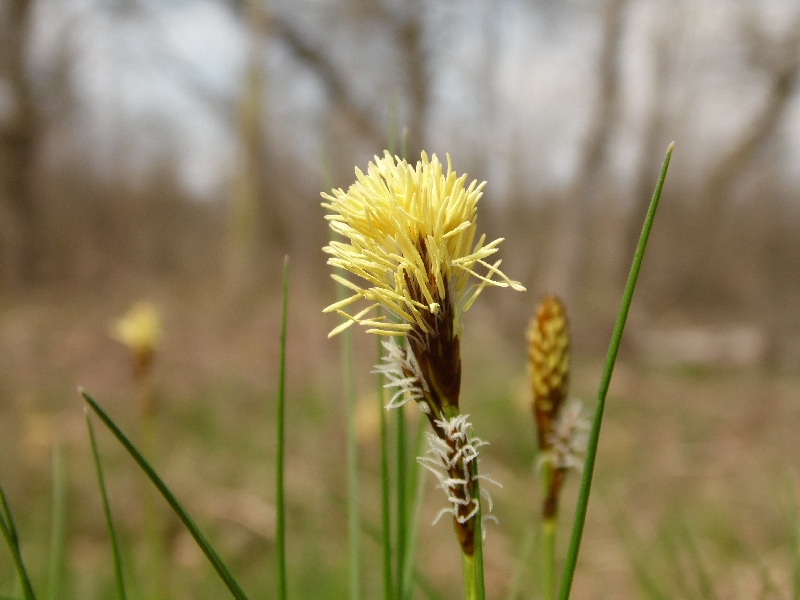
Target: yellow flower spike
{"points": [[140, 330], [548, 351], [409, 234]]}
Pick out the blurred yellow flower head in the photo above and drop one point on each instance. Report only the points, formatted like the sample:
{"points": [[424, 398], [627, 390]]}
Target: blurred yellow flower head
{"points": [[139, 329], [410, 233]]}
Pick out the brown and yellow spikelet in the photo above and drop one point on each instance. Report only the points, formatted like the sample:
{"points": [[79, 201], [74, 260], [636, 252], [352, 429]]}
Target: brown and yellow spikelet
{"points": [[560, 425], [548, 350]]}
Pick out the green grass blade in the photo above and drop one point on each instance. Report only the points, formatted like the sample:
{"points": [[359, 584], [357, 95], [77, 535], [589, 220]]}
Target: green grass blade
{"points": [[9, 531], [280, 515], [353, 526], [702, 576], [794, 532], [648, 584], [522, 563], [199, 538], [415, 516], [671, 550], [401, 512], [57, 527], [118, 580], [605, 380], [424, 584], [386, 533]]}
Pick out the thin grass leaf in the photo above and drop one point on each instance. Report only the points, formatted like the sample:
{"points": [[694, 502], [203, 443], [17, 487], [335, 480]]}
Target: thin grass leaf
{"points": [[386, 533], [56, 565], [647, 582], [199, 538], [373, 533], [794, 533], [12, 539], [670, 549], [280, 515], [9, 531], [401, 509], [425, 585], [522, 562], [118, 580], [594, 434], [415, 516], [769, 587], [353, 526], [702, 576]]}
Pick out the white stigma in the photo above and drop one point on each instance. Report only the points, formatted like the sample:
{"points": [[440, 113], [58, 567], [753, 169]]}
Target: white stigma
{"points": [[396, 365], [442, 457]]}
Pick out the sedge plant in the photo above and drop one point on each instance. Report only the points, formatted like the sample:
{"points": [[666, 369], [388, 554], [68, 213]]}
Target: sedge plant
{"points": [[410, 233]]}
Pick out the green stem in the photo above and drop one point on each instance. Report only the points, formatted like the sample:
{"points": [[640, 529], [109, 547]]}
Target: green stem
{"points": [[549, 558], [548, 531], [353, 524], [469, 570], [605, 380], [386, 534], [415, 516], [57, 536], [400, 484], [280, 525]]}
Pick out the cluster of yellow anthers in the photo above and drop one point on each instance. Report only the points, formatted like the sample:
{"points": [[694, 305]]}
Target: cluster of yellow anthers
{"points": [[410, 234]]}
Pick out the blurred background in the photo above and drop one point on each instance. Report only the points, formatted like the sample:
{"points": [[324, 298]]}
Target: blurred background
{"points": [[173, 151]]}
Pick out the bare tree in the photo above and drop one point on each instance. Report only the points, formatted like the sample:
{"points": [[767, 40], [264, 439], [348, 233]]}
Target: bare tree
{"points": [[570, 237], [18, 135]]}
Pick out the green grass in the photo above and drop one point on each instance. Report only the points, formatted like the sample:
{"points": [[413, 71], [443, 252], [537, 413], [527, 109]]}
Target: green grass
{"points": [[351, 513]]}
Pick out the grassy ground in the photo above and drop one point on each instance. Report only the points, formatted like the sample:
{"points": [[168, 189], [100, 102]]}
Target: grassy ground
{"points": [[691, 496]]}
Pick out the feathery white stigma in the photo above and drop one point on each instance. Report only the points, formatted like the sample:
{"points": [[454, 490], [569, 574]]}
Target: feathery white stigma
{"points": [[568, 438], [443, 457], [402, 370]]}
